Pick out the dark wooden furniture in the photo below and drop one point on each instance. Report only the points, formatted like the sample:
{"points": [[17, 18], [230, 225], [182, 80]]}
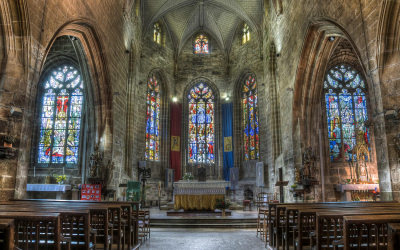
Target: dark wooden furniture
{"points": [[7, 234]]}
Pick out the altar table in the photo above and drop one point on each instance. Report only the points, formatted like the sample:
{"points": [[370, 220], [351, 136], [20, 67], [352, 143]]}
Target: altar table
{"points": [[60, 190], [346, 189], [194, 195]]}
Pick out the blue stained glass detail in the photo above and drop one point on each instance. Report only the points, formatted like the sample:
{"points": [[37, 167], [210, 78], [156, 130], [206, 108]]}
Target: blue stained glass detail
{"points": [[201, 124], [250, 118], [153, 119], [346, 109], [61, 111]]}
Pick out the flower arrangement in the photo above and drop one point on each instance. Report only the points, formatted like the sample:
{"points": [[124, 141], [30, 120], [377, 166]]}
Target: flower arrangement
{"points": [[61, 178], [188, 177], [222, 204]]}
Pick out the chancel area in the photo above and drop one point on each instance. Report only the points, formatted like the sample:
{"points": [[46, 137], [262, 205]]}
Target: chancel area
{"points": [[199, 124]]}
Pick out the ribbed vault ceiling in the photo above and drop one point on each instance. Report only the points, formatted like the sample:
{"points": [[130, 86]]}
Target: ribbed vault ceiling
{"points": [[218, 18]]}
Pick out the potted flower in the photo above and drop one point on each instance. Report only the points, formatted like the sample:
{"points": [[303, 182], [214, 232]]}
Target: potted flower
{"points": [[60, 179], [8, 141], [222, 204], [188, 177]]}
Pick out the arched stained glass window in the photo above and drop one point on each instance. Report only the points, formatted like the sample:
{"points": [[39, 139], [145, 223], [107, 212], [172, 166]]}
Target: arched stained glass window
{"points": [[250, 118], [153, 119], [201, 45], [157, 33], [346, 110], [201, 124], [246, 33], [61, 117]]}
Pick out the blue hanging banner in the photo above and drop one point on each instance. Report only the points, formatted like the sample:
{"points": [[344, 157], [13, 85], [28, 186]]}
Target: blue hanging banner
{"points": [[227, 133]]}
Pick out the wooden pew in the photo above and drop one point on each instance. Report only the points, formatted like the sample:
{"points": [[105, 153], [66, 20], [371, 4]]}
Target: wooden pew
{"points": [[7, 234], [329, 226], [35, 230], [74, 223], [119, 217], [393, 236], [367, 231], [279, 216]]}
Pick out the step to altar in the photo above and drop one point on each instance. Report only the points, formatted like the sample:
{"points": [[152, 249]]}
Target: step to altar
{"points": [[192, 219]]}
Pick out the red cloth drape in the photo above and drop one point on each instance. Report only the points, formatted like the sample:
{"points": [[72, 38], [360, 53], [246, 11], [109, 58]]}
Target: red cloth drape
{"points": [[175, 156]]}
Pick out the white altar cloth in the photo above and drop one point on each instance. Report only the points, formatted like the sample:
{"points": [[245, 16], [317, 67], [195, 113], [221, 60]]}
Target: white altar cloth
{"points": [[47, 187]]}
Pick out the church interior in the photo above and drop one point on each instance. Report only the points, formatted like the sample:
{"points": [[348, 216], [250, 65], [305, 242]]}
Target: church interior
{"points": [[121, 119]]}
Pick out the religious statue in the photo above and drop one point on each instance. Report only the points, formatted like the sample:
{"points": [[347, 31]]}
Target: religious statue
{"points": [[96, 161], [308, 164], [109, 171], [396, 141], [361, 156]]}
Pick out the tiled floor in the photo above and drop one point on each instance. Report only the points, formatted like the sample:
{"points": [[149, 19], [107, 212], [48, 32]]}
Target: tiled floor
{"points": [[202, 239]]}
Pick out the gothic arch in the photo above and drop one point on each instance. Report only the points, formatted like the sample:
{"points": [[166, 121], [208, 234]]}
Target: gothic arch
{"points": [[215, 169], [164, 116], [92, 48], [321, 40], [237, 114]]}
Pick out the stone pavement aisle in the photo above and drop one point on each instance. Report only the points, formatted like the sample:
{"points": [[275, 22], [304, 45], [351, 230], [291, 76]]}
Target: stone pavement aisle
{"points": [[202, 239]]}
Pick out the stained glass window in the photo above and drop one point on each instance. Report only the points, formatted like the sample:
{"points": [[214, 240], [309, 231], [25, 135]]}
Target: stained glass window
{"points": [[250, 119], [201, 45], [153, 119], [157, 33], [246, 33], [61, 117], [346, 111], [201, 124]]}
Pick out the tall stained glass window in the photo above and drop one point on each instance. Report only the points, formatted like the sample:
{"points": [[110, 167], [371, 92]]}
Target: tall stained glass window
{"points": [[61, 117], [153, 119], [201, 124], [346, 111], [201, 45], [157, 33], [246, 33], [250, 118]]}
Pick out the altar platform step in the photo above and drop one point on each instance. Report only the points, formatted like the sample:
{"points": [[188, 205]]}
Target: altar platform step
{"points": [[204, 223]]}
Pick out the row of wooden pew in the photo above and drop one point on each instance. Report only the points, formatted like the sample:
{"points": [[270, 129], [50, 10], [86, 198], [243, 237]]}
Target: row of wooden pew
{"points": [[61, 224], [333, 225]]}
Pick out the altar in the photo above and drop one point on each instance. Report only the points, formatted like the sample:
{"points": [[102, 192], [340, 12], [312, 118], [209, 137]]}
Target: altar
{"points": [[55, 191], [195, 195], [349, 191]]}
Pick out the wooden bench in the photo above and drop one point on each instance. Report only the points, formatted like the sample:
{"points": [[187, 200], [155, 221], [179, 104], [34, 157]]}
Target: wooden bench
{"points": [[282, 218], [7, 234], [393, 236], [367, 231], [35, 230], [114, 221]]}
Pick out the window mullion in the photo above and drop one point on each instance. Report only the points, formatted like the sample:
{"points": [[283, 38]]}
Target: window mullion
{"points": [[67, 126]]}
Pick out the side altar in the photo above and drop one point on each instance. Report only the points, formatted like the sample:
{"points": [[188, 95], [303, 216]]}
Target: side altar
{"points": [[195, 195]]}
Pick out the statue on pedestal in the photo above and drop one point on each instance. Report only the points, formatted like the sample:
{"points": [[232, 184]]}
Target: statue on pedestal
{"points": [[308, 170], [362, 155], [96, 162]]}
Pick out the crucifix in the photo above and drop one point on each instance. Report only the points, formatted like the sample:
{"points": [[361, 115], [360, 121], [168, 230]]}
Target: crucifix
{"points": [[281, 183]]}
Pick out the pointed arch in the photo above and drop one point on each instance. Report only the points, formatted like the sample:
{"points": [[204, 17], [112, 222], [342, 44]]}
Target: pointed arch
{"points": [[201, 114], [321, 40]]}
